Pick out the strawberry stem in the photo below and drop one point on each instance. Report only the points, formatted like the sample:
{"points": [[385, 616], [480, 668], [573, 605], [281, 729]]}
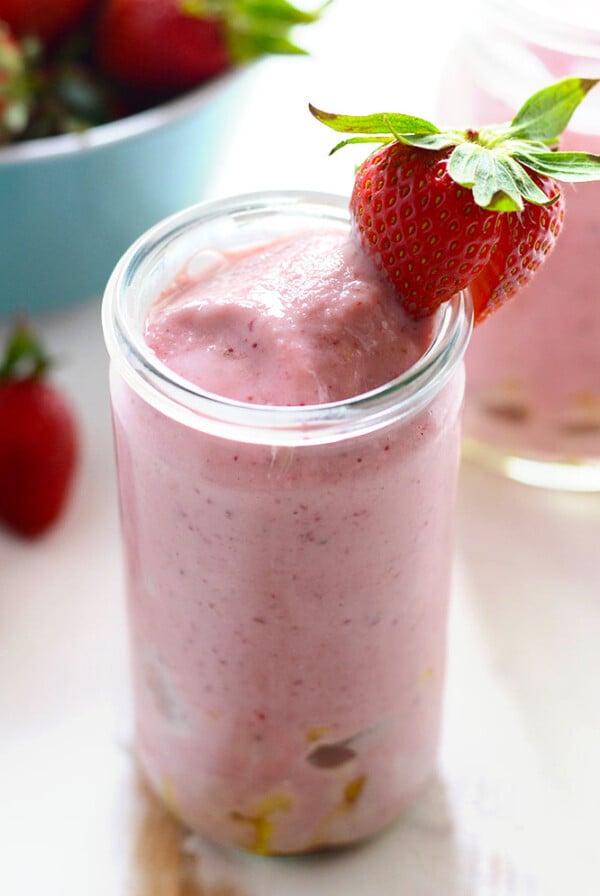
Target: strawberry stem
{"points": [[24, 357]]}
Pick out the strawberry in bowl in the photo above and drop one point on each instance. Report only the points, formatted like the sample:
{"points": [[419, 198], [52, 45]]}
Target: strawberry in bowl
{"points": [[203, 38], [110, 113], [47, 19], [439, 211]]}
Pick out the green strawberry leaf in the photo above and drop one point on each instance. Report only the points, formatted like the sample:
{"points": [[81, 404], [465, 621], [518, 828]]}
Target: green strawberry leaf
{"points": [[463, 163], [501, 202], [382, 141], [251, 45], [545, 115], [283, 12], [426, 141], [24, 355], [573, 167], [527, 187], [430, 141], [380, 123], [491, 174], [487, 174]]}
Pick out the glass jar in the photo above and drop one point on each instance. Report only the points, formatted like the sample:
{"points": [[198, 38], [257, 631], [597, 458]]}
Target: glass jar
{"points": [[532, 405], [287, 568]]}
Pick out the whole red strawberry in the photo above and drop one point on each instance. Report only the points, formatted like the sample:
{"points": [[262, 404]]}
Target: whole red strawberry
{"points": [[45, 19], [419, 226], [38, 440], [438, 211], [172, 45]]}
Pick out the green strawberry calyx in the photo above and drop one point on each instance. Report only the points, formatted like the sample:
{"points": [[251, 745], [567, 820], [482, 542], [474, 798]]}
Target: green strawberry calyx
{"points": [[255, 28], [24, 357], [493, 161]]}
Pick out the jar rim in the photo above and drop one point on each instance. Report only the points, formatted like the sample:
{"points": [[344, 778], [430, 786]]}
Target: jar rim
{"points": [[193, 406]]}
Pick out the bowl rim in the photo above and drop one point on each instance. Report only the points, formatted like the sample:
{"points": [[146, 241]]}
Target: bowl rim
{"points": [[119, 130]]}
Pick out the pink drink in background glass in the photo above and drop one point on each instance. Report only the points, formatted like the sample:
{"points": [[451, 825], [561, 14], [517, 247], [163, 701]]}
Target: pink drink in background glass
{"points": [[288, 545], [533, 378]]}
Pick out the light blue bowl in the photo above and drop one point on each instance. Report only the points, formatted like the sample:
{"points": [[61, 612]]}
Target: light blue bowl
{"points": [[71, 205]]}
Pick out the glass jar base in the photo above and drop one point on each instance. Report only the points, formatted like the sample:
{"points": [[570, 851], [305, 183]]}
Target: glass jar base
{"points": [[581, 475], [256, 835]]}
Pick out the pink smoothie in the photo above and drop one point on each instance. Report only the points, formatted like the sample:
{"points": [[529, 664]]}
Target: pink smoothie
{"points": [[533, 373], [287, 604], [301, 322]]}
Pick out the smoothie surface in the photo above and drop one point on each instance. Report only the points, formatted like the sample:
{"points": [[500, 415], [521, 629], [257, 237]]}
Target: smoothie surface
{"points": [[303, 320]]}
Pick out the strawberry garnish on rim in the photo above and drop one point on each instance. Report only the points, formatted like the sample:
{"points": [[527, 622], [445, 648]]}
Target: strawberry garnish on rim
{"points": [[438, 211]]}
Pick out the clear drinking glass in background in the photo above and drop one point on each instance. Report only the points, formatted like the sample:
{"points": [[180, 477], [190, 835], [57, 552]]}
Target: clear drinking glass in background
{"points": [[532, 408], [287, 568]]}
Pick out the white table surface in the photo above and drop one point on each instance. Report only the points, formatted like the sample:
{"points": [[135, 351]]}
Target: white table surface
{"points": [[515, 807]]}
